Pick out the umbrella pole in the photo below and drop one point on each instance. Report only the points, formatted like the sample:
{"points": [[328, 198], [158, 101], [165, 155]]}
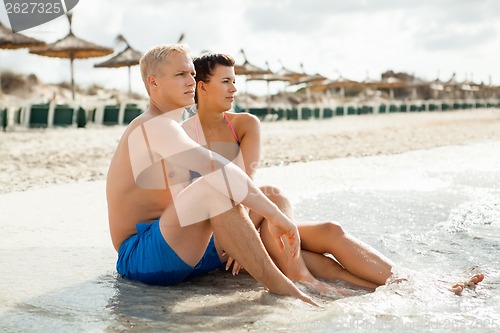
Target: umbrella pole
{"points": [[268, 99], [129, 87], [72, 79]]}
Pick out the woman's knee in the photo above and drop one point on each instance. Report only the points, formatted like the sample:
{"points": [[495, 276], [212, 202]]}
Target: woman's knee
{"points": [[275, 195], [332, 229], [271, 191]]}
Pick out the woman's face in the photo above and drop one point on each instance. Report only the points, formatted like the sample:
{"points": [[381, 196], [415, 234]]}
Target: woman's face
{"points": [[219, 91]]}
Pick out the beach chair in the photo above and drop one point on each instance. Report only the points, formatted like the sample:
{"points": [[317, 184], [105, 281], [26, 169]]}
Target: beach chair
{"points": [[259, 112], [339, 111], [91, 115], [18, 116], [131, 112], [63, 116], [110, 116], [292, 114], [81, 118], [351, 110], [365, 109], [38, 116], [307, 113], [3, 119], [327, 113], [280, 113]]}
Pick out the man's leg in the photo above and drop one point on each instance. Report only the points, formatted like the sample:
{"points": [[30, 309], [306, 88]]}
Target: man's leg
{"points": [[234, 232]]}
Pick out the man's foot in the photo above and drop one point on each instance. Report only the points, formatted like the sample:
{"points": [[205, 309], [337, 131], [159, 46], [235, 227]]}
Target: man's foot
{"points": [[471, 284]]}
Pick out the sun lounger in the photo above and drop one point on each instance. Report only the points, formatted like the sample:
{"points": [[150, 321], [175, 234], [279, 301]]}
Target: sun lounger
{"points": [[110, 116], [131, 112], [38, 116], [63, 116], [3, 119], [81, 118]]}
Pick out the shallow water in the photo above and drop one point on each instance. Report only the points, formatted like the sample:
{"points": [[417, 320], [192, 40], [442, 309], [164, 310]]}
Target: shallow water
{"points": [[435, 213]]}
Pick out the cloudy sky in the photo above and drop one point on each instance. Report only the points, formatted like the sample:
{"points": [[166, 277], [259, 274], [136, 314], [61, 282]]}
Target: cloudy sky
{"points": [[356, 38]]}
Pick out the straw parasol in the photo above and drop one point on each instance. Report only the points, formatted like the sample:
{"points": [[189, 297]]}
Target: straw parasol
{"points": [[288, 73], [249, 69], [12, 40], [127, 58], [246, 69], [309, 80], [340, 83], [268, 78], [390, 83], [72, 47]]}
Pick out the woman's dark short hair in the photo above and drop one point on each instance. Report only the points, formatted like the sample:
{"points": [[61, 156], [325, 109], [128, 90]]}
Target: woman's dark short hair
{"points": [[205, 64]]}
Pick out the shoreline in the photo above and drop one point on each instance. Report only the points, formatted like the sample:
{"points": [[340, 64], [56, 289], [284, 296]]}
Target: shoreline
{"points": [[33, 158]]}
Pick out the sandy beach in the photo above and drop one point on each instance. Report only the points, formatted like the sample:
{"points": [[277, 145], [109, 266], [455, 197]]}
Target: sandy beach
{"points": [[32, 158], [433, 210]]}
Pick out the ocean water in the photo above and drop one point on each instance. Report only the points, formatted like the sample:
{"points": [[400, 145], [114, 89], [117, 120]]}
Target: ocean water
{"points": [[435, 213]]}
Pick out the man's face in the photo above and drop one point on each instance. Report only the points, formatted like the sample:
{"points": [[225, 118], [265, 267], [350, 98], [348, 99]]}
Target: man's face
{"points": [[175, 81]]}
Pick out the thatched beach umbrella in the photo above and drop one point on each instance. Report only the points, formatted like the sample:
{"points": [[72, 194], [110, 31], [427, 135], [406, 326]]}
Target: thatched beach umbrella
{"points": [[268, 78], [390, 83], [340, 83], [72, 47], [247, 69], [289, 74], [309, 80], [127, 58], [12, 40]]}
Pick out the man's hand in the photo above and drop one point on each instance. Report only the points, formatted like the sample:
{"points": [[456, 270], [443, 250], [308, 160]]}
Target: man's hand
{"points": [[281, 225]]}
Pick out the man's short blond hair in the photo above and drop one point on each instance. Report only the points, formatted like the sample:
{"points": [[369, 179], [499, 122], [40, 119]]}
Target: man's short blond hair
{"points": [[156, 56]]}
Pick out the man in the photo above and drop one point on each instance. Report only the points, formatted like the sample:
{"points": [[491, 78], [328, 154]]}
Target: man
{"points": [[161, 222]]}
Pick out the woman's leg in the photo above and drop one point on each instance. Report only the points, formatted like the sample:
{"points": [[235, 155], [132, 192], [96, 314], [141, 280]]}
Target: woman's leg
{"points": [[358, 259], [294, 268], [325, 267]]}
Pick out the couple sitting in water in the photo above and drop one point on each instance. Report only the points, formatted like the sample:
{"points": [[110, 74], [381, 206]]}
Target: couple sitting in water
{"points": [[254, 231]]}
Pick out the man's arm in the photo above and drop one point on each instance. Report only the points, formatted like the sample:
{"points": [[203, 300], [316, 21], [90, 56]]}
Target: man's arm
{"points": [[163, 139]]}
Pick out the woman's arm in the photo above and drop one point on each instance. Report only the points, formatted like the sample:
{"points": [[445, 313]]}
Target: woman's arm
{"points": [[249, 127]]}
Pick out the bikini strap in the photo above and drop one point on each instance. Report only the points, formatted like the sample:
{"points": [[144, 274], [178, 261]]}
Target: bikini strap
{"points": [[232, 129]]}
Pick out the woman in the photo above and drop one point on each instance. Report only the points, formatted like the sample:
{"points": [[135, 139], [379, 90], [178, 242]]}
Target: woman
{"points": [[237, 137]]}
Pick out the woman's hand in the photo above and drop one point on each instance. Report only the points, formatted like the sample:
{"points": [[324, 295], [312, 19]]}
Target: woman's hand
{"points": [[236, 266]]}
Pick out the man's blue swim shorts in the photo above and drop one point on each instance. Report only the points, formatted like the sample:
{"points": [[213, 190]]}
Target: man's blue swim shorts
{"points": [[146, 257]]}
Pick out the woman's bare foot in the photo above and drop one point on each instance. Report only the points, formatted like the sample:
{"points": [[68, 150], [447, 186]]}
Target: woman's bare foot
{"points": [[472, 284], [325, 289]]}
